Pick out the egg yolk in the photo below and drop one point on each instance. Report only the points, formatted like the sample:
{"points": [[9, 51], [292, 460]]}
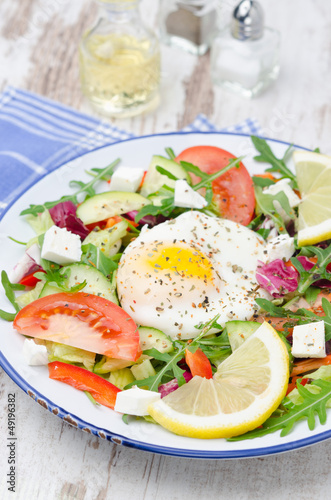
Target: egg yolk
{"points": [[187, 262]]}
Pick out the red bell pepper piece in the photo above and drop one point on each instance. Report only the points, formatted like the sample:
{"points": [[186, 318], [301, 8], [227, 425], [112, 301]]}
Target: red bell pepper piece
{"points": [[102, 391], [30, 280], [198, 363]]}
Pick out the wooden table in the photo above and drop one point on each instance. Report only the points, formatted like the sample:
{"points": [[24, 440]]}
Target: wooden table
{"points": [[38, 51]]}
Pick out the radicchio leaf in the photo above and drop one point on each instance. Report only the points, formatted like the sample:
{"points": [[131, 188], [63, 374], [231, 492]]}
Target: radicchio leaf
{"points": [[64, 215], [172, 385], [277, 278], [150, 220]]}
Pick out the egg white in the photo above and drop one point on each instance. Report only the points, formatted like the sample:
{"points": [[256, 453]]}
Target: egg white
{"points": [[184, 271]]}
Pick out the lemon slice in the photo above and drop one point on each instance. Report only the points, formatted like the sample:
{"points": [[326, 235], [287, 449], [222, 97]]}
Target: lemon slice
{"points": [[314, 181], [247, 387]]}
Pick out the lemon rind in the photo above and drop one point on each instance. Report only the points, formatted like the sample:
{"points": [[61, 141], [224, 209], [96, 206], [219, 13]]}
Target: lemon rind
{"points": [[314, 234]]}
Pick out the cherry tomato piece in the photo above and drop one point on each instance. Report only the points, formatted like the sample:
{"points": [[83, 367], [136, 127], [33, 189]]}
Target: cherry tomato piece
{"points": [[233, 190], [81, 320]]}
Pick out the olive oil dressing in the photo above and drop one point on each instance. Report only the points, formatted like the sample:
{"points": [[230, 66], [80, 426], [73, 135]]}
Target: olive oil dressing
{"points": [[120, 62]]}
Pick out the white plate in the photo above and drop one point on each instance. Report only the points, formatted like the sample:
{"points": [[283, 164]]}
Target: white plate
{"points": [[72, 405]]}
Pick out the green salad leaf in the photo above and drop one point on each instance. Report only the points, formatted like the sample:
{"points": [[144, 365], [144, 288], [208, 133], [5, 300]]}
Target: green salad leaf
{"points": [[265, 205], [83, 188], [278, 165], [94, 257], [312, 404], [10, 289], [170, 367], [167, 206]]}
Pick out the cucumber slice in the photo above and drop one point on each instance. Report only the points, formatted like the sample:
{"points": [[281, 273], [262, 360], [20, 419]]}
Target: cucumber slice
{"points": [[154, 180], [105, 205], [96, 282], [151, 337], [239, 331]]}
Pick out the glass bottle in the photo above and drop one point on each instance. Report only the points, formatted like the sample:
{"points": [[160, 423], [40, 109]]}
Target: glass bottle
{"points": [[245, 56], [120, 61], [188, 24]]}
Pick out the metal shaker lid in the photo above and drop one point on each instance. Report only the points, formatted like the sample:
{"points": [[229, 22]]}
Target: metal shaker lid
{"points": [[247, 21]]}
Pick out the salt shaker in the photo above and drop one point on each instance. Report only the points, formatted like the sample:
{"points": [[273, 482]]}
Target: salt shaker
{"points": [[245, 55], [188, 24]]}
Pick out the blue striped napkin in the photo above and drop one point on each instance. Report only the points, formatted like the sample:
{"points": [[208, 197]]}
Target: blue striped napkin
{"points": [[37, 135]]}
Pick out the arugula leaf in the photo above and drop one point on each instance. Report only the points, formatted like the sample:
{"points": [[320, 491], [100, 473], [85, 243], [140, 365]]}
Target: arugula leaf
{"points": [[312, 294], [10, 288], [311, 405], [93, 256], [263, 232], [87, 188], [57, 277], [166, 207], [7, 316], [277, 164], [170, 153], [17, 241], [166, 172], [254, 224], [265, 204], [171, 359], [206, 179], [319, 271], [91, 398], [105, 177], [262, 181]]}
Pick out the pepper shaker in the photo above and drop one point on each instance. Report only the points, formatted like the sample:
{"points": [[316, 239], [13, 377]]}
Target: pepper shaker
{"points": [[188, 24], [245, 56]]}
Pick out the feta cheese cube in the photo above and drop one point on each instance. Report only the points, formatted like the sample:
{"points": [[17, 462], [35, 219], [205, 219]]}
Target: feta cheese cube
{"points": [[126, 179], [61, 246], [281, 247], [135, 401], [309, 340], [186, 197], [34, 354]]}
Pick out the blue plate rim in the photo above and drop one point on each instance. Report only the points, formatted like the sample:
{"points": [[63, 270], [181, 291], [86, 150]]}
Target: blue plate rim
{"points": [[119, 439]]}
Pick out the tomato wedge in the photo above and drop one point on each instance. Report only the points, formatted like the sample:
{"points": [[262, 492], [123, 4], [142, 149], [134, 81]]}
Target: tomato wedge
{"points": [[102, 391], [198, 363], [81, 320], [233, 191]]}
